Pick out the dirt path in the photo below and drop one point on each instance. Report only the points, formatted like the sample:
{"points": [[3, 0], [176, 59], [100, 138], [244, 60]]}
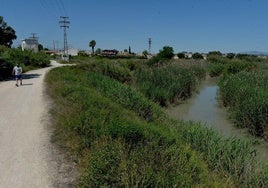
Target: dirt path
{"points": [[25, 149]]}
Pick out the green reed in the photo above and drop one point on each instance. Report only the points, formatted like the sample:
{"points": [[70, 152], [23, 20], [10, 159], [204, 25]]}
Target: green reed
{"points": [[169, 83], [247, 96], [122, 139]]}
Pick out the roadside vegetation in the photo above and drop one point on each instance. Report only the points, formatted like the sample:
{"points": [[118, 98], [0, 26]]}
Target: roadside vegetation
{"points": [[29, 60], [108, 113]]}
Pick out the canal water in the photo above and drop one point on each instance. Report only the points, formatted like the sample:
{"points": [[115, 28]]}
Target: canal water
{"points": [[204, 107]]}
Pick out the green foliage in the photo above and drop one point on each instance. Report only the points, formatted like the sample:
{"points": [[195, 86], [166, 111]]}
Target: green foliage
{"points": [[157, 61], [214, 53], [168, 84], [106, 125], [166, 53], [215, 69], [124, 150], [215, 59], [98, 51], [124, 95], [92, 44], [230, 55], [219, 65], [197, 56], [247, 95], [247, 57], [114, 164], [145, 53], [110, 69], [238, 66], [27, 59], [233, 156], [7, 34], [181, 55]]}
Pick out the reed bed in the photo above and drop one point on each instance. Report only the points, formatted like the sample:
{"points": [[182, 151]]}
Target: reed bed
{"points": [[168, 83], [122, 139], [246, 94]]}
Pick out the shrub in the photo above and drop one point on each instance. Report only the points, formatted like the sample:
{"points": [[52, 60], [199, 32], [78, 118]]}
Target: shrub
{"points": [[27, 59]]}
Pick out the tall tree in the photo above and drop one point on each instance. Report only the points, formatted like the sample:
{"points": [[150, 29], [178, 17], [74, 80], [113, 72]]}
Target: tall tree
{"points": [[7, 33], [92, 44], [166, 52]]}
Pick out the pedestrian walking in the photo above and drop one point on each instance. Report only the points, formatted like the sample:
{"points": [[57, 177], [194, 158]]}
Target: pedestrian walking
{"points": [[17, 72]]}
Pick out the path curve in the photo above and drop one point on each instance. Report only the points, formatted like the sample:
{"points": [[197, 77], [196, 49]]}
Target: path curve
{"points": [[25, 156]]}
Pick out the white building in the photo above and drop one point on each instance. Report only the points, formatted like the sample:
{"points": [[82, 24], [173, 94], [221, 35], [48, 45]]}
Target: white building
{"points": [[73, 52], [30, 44]]}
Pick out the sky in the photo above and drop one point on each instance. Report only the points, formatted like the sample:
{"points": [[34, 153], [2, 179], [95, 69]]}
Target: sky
{"points": [[186, 25]]}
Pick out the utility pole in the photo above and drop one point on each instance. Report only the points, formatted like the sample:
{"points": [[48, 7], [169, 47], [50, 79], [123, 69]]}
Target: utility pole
{"points": [[150, 43], [65, 24], [54, 46], [33, 36], [33, 42]]}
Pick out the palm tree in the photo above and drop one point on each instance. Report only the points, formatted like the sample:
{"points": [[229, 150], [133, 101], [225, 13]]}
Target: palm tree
{"points": [[92, 44]]}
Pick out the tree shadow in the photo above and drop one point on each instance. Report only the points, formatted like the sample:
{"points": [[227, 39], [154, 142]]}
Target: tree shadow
{"points": [[30, 76], [27, 84]]}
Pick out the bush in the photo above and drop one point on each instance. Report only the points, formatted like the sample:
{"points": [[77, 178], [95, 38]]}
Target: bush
{"points": [[166, 53], [27, 59]]}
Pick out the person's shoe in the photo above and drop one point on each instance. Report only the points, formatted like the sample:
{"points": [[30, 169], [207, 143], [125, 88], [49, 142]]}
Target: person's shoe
{"points": [[17, 85]]}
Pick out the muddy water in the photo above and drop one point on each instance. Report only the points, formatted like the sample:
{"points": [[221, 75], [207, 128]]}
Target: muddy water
{"points": [[204, 107]]}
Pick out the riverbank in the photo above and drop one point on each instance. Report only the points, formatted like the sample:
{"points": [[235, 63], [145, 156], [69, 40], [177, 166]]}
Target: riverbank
{"points": [[205, 107], [108, 124]]}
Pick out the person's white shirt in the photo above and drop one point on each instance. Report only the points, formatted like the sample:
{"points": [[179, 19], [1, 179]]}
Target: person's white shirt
{"points": [[17, 70]]}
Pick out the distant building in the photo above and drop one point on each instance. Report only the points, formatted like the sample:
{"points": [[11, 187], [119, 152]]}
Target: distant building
{"points": [[188, 55], [30, 44], [109, 53], [70, 52], [73, 52]]}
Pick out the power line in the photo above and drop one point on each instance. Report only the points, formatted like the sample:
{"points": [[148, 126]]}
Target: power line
{"points": [[55, 4], [63, 7], [47, 8]]}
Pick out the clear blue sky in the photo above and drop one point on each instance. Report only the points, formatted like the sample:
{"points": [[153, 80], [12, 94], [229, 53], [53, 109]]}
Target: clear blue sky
{"points": [[186, 25]]}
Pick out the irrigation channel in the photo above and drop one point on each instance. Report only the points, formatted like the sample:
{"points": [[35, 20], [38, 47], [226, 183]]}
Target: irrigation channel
{"points": [[204, 107]]}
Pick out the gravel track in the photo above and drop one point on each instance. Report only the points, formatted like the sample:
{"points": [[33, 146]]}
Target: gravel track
{"points": [[27, 157]]}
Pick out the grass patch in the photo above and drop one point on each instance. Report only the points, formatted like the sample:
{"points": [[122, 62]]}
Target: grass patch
{"points": [[122, 139]]}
